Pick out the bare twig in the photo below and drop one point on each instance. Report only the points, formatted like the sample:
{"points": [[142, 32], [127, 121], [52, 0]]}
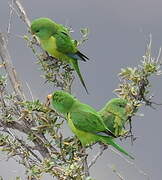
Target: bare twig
{"points": [[22, 14], [116, 172], [85, 164], [159, 55], [24, 145], [30, 91], [6, 59], [10, 18], [132, 164], [14, 125], [24, 129], [102, 149]]}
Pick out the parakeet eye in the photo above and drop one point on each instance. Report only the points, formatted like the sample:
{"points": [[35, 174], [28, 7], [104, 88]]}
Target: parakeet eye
{"points": [[121, 105]]}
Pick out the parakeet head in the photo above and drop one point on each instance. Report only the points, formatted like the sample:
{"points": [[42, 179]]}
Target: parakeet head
{"points": [[43, 28], [62, 101], [117, 106]]}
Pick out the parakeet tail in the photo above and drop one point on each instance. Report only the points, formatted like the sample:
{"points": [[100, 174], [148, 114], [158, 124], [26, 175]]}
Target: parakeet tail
{"points": [[76, 67], [110, 141], [82, 56]]}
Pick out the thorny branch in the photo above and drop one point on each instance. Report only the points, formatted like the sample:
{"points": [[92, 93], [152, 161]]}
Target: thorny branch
{"points": [[48, 151], [135, 84]]}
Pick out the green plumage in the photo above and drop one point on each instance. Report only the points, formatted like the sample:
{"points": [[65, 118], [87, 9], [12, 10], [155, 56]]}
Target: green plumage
{"points": [[84, 121], [57, 41], [114, 115]]}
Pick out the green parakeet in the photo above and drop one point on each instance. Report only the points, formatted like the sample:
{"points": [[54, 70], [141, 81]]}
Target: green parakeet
{"points": [[84, 121], [114, 115], [57, 41]]}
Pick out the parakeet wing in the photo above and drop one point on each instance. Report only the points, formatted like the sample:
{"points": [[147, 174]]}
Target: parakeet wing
{"points": [[64, 42], [68, 46], [89, 122]]}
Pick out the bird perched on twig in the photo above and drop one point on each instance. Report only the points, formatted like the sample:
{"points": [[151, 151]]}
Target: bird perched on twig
{"points": [[57, 41]]}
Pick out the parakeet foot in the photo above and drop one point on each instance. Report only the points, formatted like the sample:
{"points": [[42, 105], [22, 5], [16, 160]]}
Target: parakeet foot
{"points": [[103, 146]]}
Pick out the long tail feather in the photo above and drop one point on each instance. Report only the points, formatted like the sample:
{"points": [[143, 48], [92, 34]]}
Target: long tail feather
{"points": [[74, 63], [78, 56], [110, 141]]}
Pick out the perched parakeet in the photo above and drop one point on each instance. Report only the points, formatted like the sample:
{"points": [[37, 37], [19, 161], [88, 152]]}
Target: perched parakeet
{"points": [[57, 41], [84, 121], [115, 116]]}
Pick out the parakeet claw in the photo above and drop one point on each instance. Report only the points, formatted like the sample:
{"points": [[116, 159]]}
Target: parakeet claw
{"points": [[82, 152], [103, 146]]}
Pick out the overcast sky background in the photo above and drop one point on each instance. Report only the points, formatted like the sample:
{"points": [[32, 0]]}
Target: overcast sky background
{"points": [[119, 31]]}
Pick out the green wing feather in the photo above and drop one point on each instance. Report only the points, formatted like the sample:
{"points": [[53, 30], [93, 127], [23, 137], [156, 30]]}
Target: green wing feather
{"points": [[64, 43], [85, 118], [87, 121], [67, 46]]}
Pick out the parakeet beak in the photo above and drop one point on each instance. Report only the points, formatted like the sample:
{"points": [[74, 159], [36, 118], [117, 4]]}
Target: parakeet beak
{"points": [[31, 32], [49, 96]]}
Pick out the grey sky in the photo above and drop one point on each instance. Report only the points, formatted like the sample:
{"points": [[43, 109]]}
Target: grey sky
{"points": [[119, 31]]}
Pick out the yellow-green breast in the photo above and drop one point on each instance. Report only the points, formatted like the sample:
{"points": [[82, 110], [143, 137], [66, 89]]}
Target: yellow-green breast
{"points": [[50, 46], [85, 137]]}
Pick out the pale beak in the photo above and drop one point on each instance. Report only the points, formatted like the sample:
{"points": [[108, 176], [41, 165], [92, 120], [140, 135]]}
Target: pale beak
{"points": [[49, 96]]}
